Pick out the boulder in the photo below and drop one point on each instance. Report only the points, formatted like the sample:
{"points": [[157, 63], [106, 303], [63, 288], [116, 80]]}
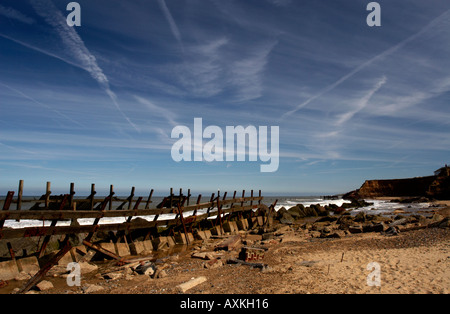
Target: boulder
{"points": [[378, 227], [311, 211], [336, 234], [445, 223], [287, 219], [90, 288], [360, 217], [355, 229], [44, 285], [297, 211], [147, 269]]}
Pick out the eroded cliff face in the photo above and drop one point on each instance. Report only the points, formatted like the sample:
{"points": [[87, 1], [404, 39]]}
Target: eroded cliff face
{"points": [[437, 187], [400, 187]]}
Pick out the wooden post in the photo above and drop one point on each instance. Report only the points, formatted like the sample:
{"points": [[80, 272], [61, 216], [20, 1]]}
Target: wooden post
{"points": [[111, 193], [219, 211], [72, 193], [47, 195], [180, 212], [93, 192], [188, 196], [149, 200], [138, 202], [251, 195], [53, 224], [131, 197], [271, 209], [211, 200], [6, 205], [198, 202], [171, 197], [259, 202], [19, 195]]}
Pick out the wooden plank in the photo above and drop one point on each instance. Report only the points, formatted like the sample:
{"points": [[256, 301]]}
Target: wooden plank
{"points": [[60, 230], [229, 243], [103, 251], [51, 214]]}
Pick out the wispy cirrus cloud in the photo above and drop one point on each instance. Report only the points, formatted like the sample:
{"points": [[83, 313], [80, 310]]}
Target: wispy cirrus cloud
{"points": [[76, 52], [43, 105], [158, 111], [437, 22], [361, 104], [173, 25], [16, 15]]}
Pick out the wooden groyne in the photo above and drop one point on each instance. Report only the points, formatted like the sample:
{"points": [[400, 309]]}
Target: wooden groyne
{"points": [[189, 218], [56, 208]]}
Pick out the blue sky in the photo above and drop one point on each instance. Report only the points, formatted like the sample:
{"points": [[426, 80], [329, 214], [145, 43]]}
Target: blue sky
{"points": [[97, 103]]}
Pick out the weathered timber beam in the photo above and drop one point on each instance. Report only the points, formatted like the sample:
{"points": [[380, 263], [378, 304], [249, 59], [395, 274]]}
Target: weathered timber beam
{"points": [[8, 233], [51, 214]]}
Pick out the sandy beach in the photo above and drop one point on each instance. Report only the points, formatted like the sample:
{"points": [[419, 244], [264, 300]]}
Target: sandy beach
{"points": [[412, 262]]}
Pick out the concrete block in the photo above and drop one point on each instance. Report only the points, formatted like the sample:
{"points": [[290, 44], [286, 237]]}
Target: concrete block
{"points": [[109, 246], [217, 231], [180, 238], [66, 259], [191, 284], [171, 241], [148, 246], [30, 265], [139, 247], [260, 221], [242, 224], [202, 235], [207, 233], [122, 249], [160, 243], [230, 226], [8, 270], [252, 222]]}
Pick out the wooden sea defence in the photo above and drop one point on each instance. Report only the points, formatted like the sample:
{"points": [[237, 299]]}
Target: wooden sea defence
{"points": [[188, 215], [190, 219]]}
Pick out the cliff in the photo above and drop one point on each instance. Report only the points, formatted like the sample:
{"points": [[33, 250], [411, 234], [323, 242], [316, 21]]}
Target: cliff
{"points": [[436, 186]]}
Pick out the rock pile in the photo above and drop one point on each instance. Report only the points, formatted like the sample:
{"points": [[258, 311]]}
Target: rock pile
{"points": [[328, 225]]}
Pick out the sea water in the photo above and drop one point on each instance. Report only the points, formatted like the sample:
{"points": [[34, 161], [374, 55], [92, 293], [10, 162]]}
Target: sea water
{"points": [[383, 207]]}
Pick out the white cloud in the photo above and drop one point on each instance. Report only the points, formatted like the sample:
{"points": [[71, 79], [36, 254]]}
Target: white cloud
{"points": [[16, 15], [157, 110], [433, 24], [171, 21], [76, 48], [361, 104]]}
